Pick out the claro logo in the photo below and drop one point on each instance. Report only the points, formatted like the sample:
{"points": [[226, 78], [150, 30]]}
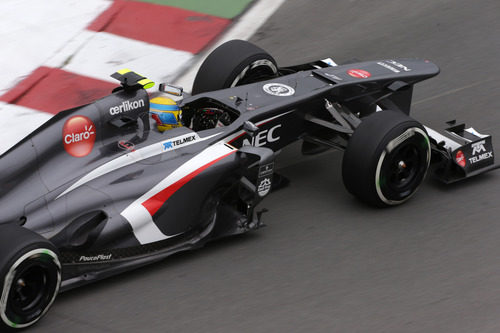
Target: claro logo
{"points": [[78, 136], [126, 106]]}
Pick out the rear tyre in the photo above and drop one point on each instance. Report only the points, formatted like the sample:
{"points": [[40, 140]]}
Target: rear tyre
{"points": [[232, 64], [386, 159], [30, 277]]}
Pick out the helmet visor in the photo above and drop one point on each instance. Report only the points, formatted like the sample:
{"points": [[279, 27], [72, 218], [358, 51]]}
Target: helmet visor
{"points": [[164, 118]]}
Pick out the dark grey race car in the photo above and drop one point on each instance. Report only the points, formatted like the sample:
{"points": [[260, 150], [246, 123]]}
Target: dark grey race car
{"points": [[97, 190]]}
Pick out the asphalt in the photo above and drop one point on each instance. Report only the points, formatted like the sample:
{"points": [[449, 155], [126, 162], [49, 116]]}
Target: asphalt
{"points": [[326, 263]]}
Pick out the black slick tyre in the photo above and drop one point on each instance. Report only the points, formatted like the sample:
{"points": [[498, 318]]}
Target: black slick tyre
{"points": [[386, 159], [234, 63], [30, 277]]}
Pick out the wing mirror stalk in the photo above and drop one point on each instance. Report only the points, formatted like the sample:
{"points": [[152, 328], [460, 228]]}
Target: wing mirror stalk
{"points": [[250, 128]]}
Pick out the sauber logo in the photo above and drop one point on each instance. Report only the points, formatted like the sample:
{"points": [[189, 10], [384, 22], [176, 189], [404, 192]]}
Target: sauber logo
{"points": [[78, 136], [278, 89], [264, 187], [126, 106]]}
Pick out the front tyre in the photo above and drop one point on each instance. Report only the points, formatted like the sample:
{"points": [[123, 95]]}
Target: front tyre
{"points": [[386, 159], [234, 63], [30, 276]]}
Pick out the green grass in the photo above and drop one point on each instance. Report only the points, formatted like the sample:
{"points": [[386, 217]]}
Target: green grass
{"points": [[221, 8]]}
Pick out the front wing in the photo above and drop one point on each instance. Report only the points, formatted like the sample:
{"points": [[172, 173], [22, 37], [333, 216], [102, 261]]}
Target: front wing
{"points": [[460, 152]]}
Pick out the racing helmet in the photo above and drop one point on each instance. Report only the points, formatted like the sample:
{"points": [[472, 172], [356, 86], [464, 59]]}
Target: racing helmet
{"points": [[165, 112]]}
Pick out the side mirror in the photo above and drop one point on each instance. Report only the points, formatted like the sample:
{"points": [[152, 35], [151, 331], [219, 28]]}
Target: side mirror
{"points": [[250, 128], [170, 89]]}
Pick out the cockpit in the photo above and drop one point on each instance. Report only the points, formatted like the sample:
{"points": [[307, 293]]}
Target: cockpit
{"points": [[205, 113]]}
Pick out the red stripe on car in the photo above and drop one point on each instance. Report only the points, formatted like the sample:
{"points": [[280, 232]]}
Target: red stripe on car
{"points": [[154, 203]]}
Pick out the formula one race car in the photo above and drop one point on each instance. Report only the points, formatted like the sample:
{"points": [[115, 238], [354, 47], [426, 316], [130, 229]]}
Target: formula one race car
{"points": [[98, 190]]}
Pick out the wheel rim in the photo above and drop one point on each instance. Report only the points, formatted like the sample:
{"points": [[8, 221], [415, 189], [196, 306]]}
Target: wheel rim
{"points": [[258, 70], [30, 288], [402, 166]]}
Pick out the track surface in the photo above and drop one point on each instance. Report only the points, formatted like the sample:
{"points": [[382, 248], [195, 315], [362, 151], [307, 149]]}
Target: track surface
{"points": [[326, 263]]}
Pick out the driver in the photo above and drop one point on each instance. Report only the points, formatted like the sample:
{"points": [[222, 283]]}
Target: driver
{"points": [[165, 112]]}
